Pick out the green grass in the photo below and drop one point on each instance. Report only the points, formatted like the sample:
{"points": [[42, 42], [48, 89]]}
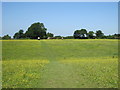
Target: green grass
{"points": [[60, 63]]}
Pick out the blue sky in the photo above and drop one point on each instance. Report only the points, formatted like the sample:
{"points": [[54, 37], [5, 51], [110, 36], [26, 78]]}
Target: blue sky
{"points": [[60, 18]]}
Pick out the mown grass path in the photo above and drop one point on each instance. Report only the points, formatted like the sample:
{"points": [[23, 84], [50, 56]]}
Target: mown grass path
{"points": [[63, 75], [56, 74]]}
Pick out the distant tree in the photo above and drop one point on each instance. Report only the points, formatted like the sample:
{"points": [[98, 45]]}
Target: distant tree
{"points": [[6, 37], [80, 34], [58, 37], [99, 34], [50, 34], [16, 36], [104, 37], [83, 32], [91, 34], [77, 34], [115, 36], [19, 35], [110, 37], [36, 30]]}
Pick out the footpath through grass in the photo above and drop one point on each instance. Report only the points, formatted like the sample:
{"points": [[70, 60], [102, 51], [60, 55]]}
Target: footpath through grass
{"points": [[60, 64]]}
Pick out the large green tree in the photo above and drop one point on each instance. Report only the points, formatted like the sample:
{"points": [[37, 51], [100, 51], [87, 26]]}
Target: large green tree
{"points": [[99, 34], [83, 32], [36, 30], [77, 34], [80, 34]]}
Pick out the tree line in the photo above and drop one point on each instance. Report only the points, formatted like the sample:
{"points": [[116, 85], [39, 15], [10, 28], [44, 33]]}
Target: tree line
{"points": [[38, 30]]}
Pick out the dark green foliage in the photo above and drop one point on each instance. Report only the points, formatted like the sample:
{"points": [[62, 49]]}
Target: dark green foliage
{"points": [[99, 34], [58, 37], [19, 35], [83, 32], [115, 36], [6, 37], [16, 36], [80, 34], [50, 34], [91, 35], [36, 30], [77, 34]]}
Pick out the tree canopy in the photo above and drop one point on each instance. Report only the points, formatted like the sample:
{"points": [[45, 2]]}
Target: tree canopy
{"points": [[99, 34], [91, 35], [6, 37], [78, 34], [36, 30], [50, 34], [19, 35]]}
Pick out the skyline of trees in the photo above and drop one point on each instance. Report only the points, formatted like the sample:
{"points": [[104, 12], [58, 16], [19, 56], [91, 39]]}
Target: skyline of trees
{"points": [[90, 36], [38, 30], [83, 34]]}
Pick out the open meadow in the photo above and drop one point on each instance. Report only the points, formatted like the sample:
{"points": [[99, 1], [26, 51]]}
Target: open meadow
{"points": [[68, 63]]}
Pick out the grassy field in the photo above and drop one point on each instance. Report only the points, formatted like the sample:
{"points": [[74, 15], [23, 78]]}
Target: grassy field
{"points": [[60, 63]]}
